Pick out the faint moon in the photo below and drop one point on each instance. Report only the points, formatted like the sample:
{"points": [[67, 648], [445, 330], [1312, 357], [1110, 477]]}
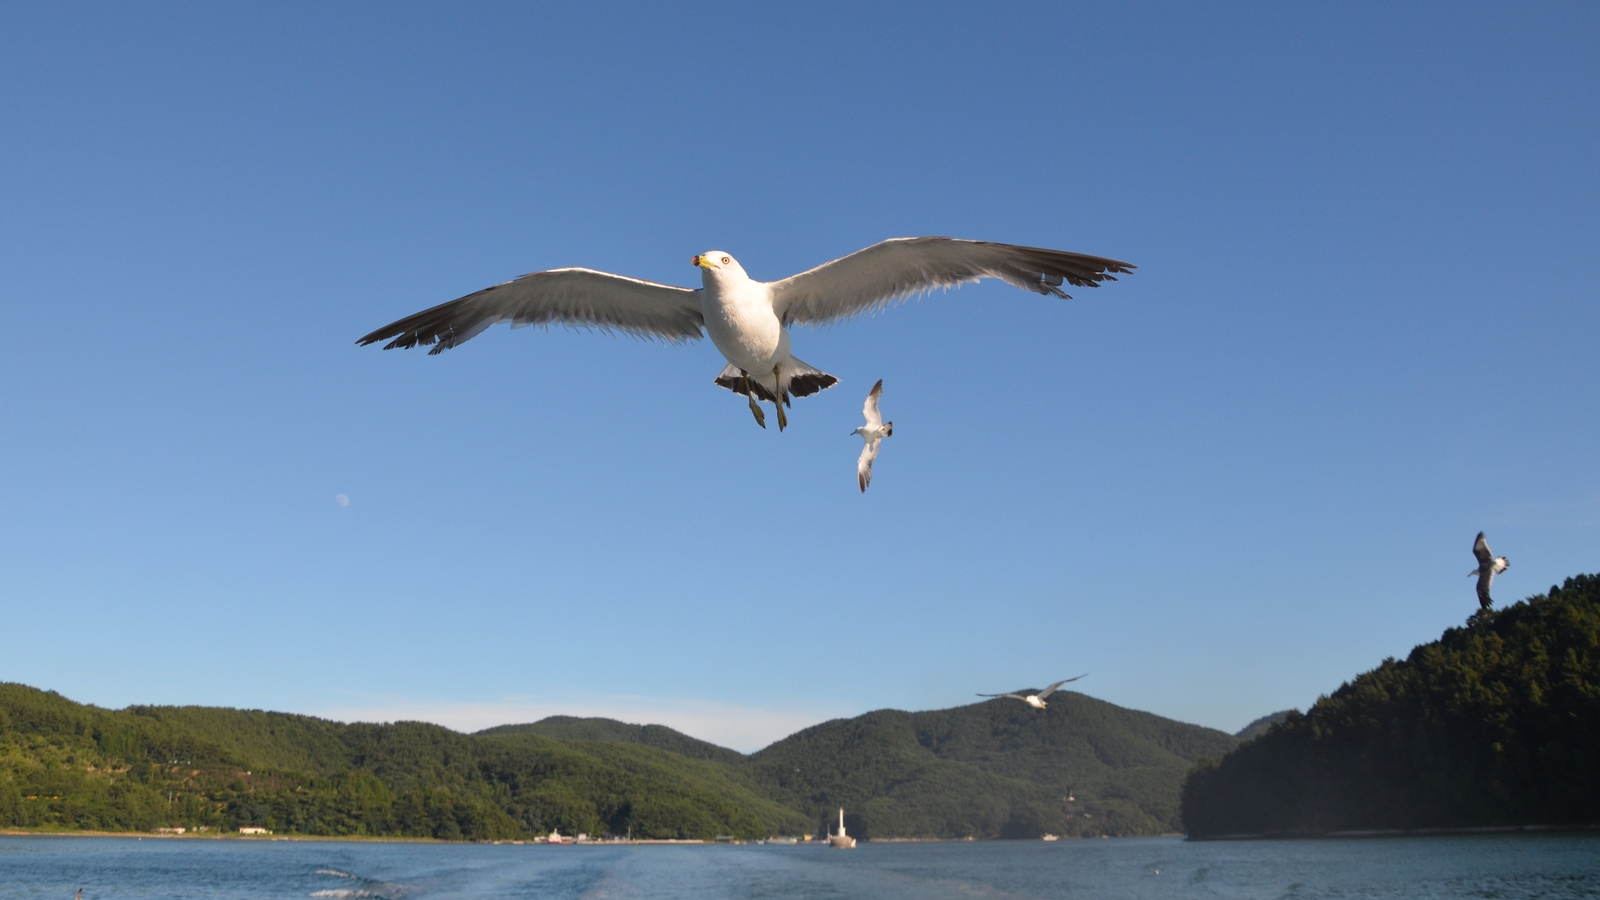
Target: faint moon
{"points": [[341, 499]]}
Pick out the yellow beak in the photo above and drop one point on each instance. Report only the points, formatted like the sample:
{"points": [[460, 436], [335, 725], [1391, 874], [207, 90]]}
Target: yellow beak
{"points": [[699, 261]]}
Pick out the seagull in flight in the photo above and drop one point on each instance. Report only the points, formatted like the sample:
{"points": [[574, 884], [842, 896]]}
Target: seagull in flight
{"points": [[873, 433], [1489, 566], [1037, 700], [748, 320]]}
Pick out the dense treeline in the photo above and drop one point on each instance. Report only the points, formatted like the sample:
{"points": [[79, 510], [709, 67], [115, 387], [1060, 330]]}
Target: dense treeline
{"points": [[66, 765], [1497, 723], [990, 770], [661, 737], [997, 769]]}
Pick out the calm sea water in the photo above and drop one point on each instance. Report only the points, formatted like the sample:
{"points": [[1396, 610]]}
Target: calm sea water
{"points": [[1487, 866]]}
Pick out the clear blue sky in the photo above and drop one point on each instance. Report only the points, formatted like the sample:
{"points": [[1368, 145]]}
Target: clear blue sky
{"points": [[1363, 328]]}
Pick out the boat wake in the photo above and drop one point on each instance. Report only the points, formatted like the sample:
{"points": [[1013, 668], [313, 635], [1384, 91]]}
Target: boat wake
{"points": [[378, 890]]}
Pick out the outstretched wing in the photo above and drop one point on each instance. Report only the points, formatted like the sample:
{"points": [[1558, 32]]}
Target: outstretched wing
{"points": [[870, 408], [895, 269], [864, 464], [1480, 549], [1485, 579], [1012, 696], [1052, 688], [576, 297]]}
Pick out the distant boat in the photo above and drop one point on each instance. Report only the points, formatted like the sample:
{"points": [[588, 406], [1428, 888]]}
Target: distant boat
{"points": [[841, 841], [1049, 837]]}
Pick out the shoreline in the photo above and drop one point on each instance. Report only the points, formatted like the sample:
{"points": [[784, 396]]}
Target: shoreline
{"points": [[379, 839], [224, 836], [1363, 833]]}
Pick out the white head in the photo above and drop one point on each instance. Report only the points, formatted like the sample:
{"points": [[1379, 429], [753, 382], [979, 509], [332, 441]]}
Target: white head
{"points": [[718, 267]]}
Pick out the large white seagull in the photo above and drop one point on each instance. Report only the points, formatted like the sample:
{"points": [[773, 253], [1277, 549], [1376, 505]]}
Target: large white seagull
{"points": [[749, 320]]}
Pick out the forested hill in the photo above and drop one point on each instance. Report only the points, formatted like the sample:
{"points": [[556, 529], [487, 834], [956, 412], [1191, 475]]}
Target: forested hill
{"points": [[1263, 725], [72, 766], [993, 769], [987, 770], [1495, 723], [573, 728]]}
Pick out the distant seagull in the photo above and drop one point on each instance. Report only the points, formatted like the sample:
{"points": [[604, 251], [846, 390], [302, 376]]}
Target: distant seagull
{"points": [[873, 433], [1037, 700], [1489, 566], [748, 319]]}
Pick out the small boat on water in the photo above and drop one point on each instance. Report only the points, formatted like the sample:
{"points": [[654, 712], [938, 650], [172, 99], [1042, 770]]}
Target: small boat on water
{"points": [[841, 841], [1049, 837]]}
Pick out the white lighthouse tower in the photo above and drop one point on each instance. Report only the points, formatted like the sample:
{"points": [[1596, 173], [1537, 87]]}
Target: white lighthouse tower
{"points": [[841, 841]]}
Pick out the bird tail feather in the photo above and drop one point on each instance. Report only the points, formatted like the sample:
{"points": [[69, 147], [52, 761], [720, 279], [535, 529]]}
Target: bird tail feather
{"points": [[801, 380]]}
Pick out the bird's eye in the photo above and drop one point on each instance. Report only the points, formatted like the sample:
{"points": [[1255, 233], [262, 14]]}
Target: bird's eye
{"points": [[726, 260]]}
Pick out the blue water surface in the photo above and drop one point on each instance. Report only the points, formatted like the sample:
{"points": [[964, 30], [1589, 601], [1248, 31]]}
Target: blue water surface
{"points": [[1504, 867]]}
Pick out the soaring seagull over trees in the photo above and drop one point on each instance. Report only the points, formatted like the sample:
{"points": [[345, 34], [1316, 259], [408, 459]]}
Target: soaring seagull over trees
{"points": [[1037, 700], [1489, 566], [748, 319]]}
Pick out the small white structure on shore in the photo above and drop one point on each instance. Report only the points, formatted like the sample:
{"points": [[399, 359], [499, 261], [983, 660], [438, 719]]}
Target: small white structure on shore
{"points": [[841, 841], [252, 829]]}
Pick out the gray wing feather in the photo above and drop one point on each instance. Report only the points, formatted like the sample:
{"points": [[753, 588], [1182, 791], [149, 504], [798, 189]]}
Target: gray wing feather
{"points": [[869, 409], [893, 270], [864, 463], [1052, 688], [576, 297], [1013, 696], [1480, 549]]}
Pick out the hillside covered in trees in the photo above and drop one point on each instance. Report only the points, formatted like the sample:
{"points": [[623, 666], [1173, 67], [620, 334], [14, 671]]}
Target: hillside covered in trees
{"points": [[572, 728], [993, 769], [1495, 724], [65, 765]]}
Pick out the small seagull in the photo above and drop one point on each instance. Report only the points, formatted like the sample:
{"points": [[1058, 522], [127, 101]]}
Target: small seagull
{"points": [[873, 433], [1489, 566], [1037, 700]]}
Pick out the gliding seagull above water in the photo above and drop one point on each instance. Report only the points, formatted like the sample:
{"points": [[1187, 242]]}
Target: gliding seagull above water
{"points": [[1037, 700], [748, 319], [873, 433]]}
